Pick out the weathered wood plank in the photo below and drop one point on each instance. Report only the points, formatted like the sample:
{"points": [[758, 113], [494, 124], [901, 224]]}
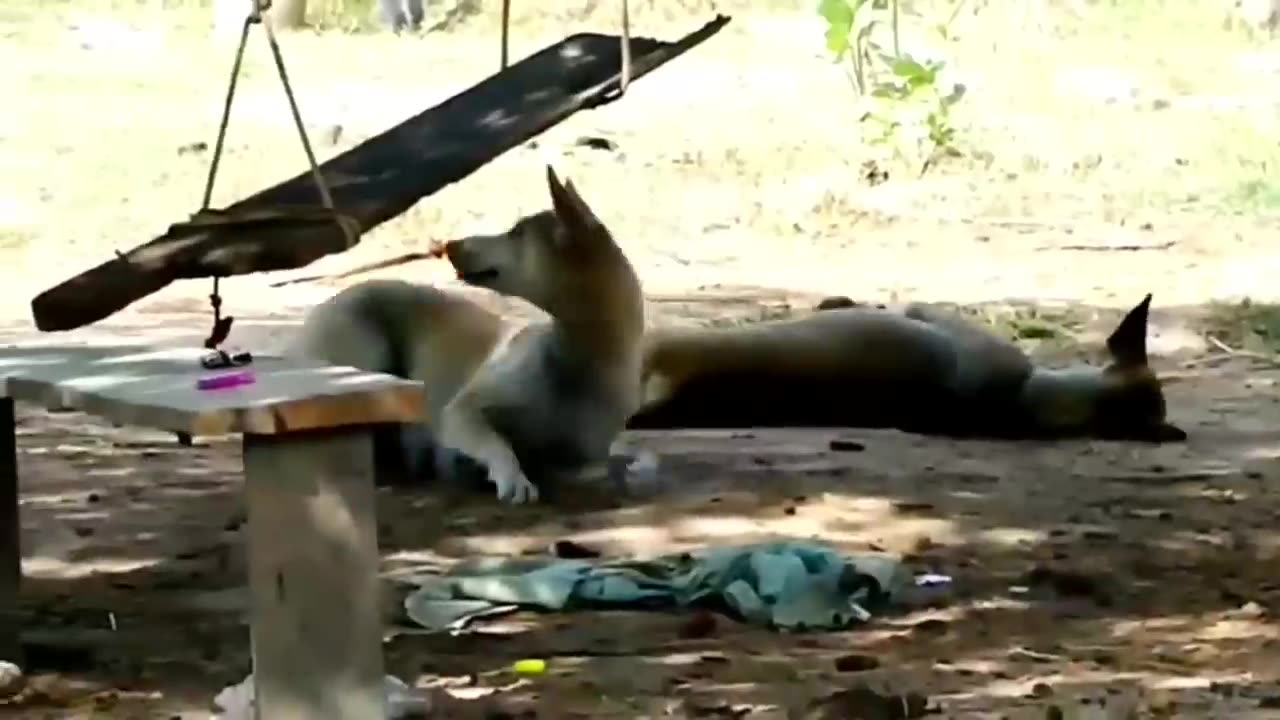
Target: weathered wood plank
{"points": [[134, 385], [309, 471], [313, 576], [10, 535], [371, 183]]}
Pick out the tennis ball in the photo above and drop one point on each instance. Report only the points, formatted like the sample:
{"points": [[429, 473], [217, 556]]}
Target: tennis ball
{"points": [[530, 666]]}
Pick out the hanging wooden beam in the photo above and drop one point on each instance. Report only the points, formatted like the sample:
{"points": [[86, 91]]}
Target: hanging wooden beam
{"points": [[285, 227]]}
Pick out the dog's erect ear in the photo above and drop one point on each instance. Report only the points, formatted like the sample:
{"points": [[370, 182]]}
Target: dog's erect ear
{"points": [[569, 206], [1168, 432], [1128, 342], [559, 196]]}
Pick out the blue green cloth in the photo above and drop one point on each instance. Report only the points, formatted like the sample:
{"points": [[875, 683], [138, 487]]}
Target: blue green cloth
{"points": [[783, 585]]}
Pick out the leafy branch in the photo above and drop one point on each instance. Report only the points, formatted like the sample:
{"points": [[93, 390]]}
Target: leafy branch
{"points": [[904, 97]]}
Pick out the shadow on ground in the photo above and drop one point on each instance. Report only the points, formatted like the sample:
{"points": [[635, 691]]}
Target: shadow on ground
{"points": [[1080, 568]]}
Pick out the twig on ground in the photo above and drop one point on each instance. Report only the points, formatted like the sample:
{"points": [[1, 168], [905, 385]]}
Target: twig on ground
{"points": [[1168, 478], [1130, 247], [1221, 345], [1263, 358], [1213, 359]]}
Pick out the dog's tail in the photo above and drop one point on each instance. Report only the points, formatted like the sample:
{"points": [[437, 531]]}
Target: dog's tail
{"points": [[369, 326]]}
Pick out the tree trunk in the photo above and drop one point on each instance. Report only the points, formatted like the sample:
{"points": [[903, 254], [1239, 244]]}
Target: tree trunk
{"points": [[287, 14], [229, 15]]}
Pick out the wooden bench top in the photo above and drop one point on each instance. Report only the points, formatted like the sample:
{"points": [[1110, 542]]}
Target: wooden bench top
{"points": [[156, 388]]}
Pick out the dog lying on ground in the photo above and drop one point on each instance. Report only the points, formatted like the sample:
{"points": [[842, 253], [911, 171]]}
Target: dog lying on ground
{"points": [[527, 402], [920, 370]]}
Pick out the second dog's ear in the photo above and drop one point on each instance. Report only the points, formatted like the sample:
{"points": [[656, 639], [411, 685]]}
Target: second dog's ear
{"points": [[568, 204], [1168, 432], [559, 195], [1128, 342]]}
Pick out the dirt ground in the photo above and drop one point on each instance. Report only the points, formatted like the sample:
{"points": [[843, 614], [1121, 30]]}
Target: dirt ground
{"points": [[1085, 573]]}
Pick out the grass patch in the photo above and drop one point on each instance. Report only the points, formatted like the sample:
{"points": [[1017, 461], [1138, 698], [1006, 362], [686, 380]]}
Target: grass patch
{"points": [[749, 144], [1039, 331], [1245, 325], [1260, 195]]}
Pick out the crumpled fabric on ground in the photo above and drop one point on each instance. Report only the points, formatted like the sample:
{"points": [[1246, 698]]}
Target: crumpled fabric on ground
{"points": [[783, 585]]}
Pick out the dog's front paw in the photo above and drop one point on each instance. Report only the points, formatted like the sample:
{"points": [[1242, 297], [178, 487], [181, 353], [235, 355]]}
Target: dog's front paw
{"points": [[513, 487]]}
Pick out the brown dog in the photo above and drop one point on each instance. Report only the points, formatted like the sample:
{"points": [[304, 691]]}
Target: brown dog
{"points": [[920, 370]]}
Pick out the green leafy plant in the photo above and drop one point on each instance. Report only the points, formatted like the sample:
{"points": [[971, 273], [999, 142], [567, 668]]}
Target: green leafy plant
{"points": [[904, 99]]}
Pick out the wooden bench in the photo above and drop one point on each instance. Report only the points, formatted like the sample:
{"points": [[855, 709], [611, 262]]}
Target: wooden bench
{"points": [[316, 625]]}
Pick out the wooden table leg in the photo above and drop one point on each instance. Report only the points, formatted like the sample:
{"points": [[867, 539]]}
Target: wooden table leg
{"points": [[10, 536], [313, 575]]}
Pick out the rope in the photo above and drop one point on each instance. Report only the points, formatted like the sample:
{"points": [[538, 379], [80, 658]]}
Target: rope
{"points": [[506, 23], [321, 185], [626, 49], [255, 17], [350, 228], [623, 82], [226, 111]]}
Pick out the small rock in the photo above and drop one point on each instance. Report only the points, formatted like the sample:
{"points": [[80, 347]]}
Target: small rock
{"points": [[105, 700], [932, 626], [856, 663], [1251, 610], [569, 550], [701, 625], [12, 681], [924, 544], [863, 703], [596, 143], [1225, 689], [1066, 583], [1151, 514], [842, 445], [835, 302], [1041, 690]]}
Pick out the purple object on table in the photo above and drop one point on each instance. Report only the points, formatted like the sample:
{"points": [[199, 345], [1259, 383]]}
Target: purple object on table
{"points": [[226, 380]]}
